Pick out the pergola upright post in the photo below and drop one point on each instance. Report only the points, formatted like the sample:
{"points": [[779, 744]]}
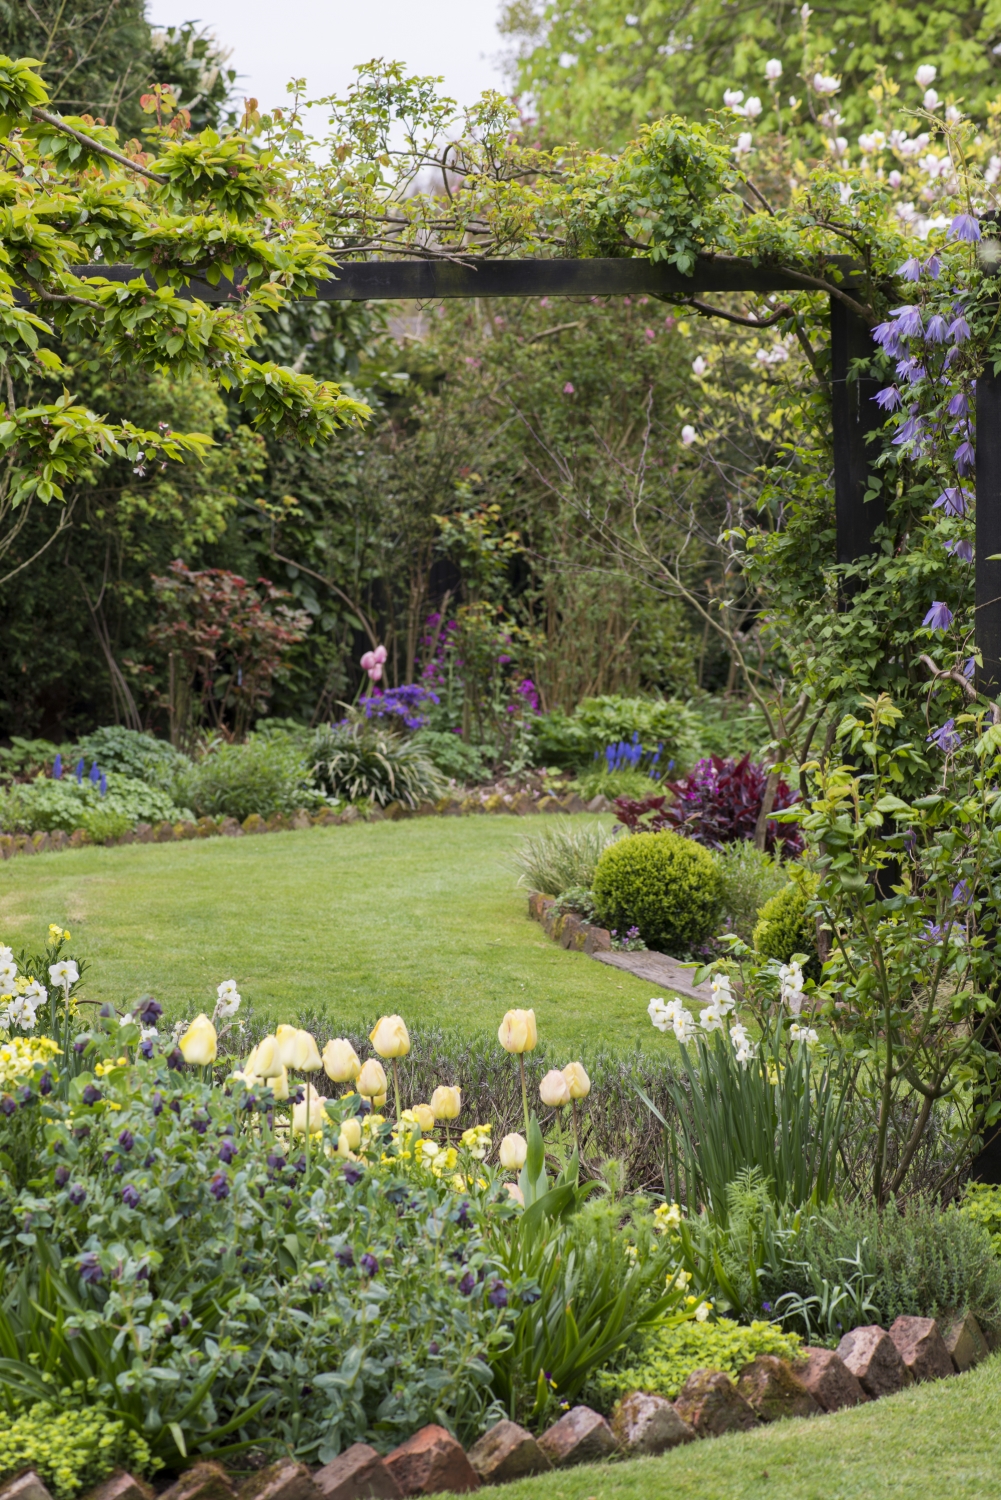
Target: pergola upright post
{"points": [[988, 540], [854, 415]]}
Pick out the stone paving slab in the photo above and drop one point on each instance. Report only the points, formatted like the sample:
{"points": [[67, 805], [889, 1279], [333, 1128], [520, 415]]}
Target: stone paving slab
{"points": [[666, 973]]}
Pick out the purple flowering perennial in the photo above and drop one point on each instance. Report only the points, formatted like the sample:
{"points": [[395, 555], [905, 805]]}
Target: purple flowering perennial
{"points": [[966, 458], [959, 330], [959, 406], [945, 738], [939, 617], [965, 227], [888, 399], [952, 501], [962, 551], [911, 269], [909, 324], [936, 331]]}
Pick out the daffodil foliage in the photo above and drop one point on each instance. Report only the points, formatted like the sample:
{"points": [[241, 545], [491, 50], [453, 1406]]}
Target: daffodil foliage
{"points": [[71, 195]]}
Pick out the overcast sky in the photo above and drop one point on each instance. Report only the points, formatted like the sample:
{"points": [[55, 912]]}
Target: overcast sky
{"points": [[322, 40]]}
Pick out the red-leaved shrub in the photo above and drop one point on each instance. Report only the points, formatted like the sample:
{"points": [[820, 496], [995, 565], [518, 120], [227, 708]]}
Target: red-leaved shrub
{"points": [[717, 803]]}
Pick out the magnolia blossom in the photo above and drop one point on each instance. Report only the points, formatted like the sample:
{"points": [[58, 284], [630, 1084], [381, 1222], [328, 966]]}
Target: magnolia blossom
{"points": [[745, 143], [688, 434], [825, 85], [732, 98], [931, 99], [870, 143], [752, 108], [926, 75], [372, 662], [699, 366], [773, 70]]}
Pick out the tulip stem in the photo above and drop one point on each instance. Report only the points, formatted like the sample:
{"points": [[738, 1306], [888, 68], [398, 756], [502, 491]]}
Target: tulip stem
{"points": [[309, 1126], [576, 1137], [524, 1091], [396, 1087]]}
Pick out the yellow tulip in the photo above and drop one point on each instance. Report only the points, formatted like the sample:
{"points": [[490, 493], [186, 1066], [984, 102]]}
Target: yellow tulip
{"points": [[446, 1102], [513, 1151], [340, 1061], [514, 1191], [390, 1037], [343, 1146], [378, 1102], [285, 1037], [553, 1089], [198, 1044], [267, 1063], [424, 1115], [279, 1086], [351, 1132], [518, 1031], [307, 1053], [578, 1083], [315, 1104], [371, 1080]]}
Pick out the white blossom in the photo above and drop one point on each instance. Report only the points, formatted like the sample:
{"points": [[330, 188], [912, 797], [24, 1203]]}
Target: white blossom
{"points": [[773, 70], [688, 434], [36, 994], [684, 1025], [65, 972], [931, 99], [953, 115], [21, 1012], [870, 143], [993, 171], [804, 1034], [926, 75], [8, 976], [752, 108], [733, 98], [822, 84], [699, 366], [228, 1000], [745, 143]]}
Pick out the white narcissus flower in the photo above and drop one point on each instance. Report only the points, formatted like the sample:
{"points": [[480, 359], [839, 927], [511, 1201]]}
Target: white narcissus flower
{"points": [[684, 1024], [553, 1089], [8, 976], [657, 1011], [36, 994], [702, 1312], [711, 1019], [199, 1043], [804, 1034], [773, 70], [340, 1061], [227, 1000], [21, 1012], [65, 972], [390, 1037], [926, 75], [513, 1152]]}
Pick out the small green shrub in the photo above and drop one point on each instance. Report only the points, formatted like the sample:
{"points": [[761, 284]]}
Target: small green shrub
{"points": [[47, 804], [917, 1259], [657, 721], [662, 883], [577, 900], [70, 1450], [665, 1357], [104, 824], [783, 927], [982, 1203], [453, 757], [263, 776], [750, 878], [365, 761], [562, 857], [141, 756], [601, 782]]}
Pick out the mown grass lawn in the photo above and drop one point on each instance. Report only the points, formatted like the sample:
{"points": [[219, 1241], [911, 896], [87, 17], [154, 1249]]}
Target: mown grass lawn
{"points": [[421, 917], [934, 1442]]}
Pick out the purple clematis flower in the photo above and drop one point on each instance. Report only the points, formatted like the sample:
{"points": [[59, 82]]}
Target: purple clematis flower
{"points": [[911, 269], [911, 370], [910, 430], [939, 617], [963, 551], [959, 406], [964, 227], [966, 458], [933, 266], [959, 330], [952, 501], [888, 335], [969, 666], [909, 324], [936, 331], [945, 737], [888, 399]]}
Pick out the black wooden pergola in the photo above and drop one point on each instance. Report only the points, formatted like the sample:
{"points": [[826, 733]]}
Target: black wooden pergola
{"points": [[854, 412]]}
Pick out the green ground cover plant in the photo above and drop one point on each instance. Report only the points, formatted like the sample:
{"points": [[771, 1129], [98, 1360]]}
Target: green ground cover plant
{"points": [[662, 1359], [981, 1202], [47, 804], [70, 1446], [264, 775], [330, 918]]}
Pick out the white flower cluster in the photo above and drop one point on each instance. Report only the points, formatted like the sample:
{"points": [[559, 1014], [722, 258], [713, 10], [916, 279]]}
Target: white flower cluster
{"points": [[791, 987], [673, 1015], [227, 1000], [20, 996]]}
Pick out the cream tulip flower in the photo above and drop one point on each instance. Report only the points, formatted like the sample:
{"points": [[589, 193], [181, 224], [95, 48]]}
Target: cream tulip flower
{"points": [[198, 1044], [340, 1061], [390, 1037], [514, 1191], [285, 1043], [578, 1083], [513, 1152], [518, 1032], [371, 1080], [378, 1101], [266, 1062], [446, 1102], [553, 1089], [424, 1115], [279, 1086], [307, 1053], [351, 1132], [315, 1105]]}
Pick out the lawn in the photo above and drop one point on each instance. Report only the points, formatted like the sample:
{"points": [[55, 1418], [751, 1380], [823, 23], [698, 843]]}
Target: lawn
{"points": [[931, 1441], [421, 917]]}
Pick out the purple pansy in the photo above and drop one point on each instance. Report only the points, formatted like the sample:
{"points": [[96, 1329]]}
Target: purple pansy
{"points": [[90, 1268], [130, 1196], [369, 1264], [219, 1186]]}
